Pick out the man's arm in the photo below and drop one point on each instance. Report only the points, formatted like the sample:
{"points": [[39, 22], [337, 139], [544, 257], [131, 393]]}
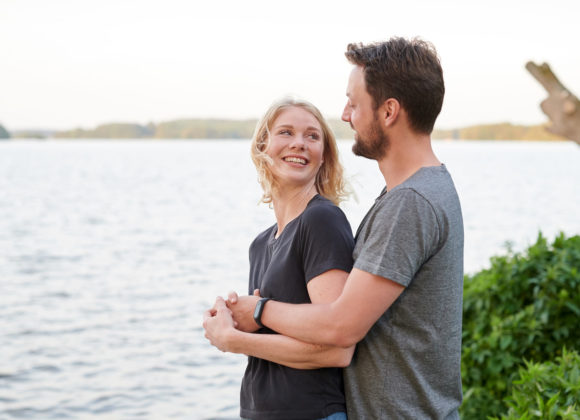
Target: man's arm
{"points": [[341, 323], [273, 347], [287, 351]]}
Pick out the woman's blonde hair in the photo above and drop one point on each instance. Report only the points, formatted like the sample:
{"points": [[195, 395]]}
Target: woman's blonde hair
{"points": [[329, 179]]}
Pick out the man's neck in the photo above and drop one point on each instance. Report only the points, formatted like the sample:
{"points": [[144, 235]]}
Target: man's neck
{"points": [[405, 156]]}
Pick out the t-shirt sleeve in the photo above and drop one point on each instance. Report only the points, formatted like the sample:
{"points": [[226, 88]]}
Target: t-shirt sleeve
{"points": [[400, 237], [326, 241]]}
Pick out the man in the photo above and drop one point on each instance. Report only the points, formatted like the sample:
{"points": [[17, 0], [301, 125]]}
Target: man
{"points": [[402, 302]]}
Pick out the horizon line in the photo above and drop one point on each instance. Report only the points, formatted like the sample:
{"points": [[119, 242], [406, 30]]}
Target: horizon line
{"points": [[87, 127]]}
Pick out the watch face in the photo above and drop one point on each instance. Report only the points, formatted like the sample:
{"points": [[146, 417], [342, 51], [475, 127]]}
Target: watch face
{"points": [[257, 310]]}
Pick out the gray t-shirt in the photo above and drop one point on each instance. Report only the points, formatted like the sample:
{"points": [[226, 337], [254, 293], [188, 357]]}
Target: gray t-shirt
{"points": [[409, 364]]}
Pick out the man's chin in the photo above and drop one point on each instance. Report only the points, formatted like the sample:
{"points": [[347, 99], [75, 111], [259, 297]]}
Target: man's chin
{"points": [[359, 150], [373, 152]]}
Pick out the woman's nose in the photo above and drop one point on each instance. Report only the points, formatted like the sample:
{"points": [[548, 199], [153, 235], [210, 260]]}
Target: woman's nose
{"points": [[298, 142]]}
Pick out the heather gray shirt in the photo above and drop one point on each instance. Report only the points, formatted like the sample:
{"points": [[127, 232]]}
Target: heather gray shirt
{"points": [[408, 366]]}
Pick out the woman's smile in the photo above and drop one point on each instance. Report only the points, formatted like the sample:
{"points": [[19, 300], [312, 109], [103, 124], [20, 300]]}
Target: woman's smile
{"points": [[296, 146], [296, 159]]}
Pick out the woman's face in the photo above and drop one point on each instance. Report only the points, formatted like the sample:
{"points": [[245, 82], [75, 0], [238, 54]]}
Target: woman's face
{"points": [[296, 147]]}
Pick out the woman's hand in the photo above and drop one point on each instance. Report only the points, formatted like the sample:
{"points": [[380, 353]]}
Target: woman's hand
{"points": [[219, 325]]}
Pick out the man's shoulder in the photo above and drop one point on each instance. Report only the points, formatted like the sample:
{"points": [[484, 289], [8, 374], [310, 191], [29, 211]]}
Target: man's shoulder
{"points": [[433, 185], [403, 198], [431, 182]]}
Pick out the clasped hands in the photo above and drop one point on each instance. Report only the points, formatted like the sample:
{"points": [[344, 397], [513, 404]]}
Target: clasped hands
{"points": [[228, 317]]}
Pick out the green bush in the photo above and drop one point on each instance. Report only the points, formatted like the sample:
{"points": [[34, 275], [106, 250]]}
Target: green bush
{"points": [[547, 390], [525, 307]]}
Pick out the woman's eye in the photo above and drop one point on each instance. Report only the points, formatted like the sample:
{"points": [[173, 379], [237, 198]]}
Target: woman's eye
{"points": [[284, 132], [314, 136]]}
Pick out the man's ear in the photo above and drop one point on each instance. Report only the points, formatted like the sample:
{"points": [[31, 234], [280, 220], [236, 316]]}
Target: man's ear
{"points": [[390, 111]]}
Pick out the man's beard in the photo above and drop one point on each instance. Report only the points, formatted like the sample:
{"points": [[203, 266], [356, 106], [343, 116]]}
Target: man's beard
{"points": [[374, 146]]}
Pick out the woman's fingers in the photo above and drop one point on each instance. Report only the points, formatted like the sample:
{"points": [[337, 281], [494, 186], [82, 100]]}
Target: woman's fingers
{"points": [[232, 297]]}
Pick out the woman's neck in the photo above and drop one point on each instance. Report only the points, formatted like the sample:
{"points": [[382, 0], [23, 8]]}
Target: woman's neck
{"points": [[290, 203]]}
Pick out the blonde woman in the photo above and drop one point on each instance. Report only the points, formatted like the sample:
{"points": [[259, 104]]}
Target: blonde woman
{"points": [[304, 258]]}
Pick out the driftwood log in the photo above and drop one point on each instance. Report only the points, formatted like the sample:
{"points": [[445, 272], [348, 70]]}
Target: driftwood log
{"points": [[561, 106]]}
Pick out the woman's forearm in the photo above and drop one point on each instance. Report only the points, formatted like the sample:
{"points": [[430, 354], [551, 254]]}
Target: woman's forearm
{"points": [[288, 351]]}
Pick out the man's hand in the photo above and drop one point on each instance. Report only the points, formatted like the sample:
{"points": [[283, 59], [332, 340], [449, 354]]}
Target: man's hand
{"points": [[242, 308], [219, 325]]}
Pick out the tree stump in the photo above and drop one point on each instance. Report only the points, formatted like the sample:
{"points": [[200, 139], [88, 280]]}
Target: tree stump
{"points": [[561, 106]]}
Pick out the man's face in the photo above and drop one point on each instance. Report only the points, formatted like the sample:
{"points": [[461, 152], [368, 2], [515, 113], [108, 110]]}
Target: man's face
{"points": [[370, 140]]}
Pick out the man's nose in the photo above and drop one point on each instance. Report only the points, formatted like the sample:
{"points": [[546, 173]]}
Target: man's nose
{"points": [[346, 114]]}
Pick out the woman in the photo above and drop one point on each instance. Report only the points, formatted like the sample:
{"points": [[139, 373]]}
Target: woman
{"points": [[305, 257]]}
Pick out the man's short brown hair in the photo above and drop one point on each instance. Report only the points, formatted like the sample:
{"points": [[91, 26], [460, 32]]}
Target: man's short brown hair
{"points": [[406, 70]]}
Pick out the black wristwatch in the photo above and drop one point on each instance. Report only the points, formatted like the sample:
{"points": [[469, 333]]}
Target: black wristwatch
{"points": [[258, 311]]}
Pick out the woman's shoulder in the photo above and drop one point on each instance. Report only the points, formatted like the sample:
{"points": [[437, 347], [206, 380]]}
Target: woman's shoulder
{"points": [[263, 237], [321, 210]]}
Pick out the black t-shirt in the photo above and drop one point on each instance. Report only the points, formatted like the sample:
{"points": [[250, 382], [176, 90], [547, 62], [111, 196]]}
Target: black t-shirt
{"points": [[318, 240]]}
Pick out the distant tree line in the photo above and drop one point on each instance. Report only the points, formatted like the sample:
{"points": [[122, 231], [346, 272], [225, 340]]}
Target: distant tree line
{"points": [[243, 129], [183, 129], [501, 131], [4, 134], [197, 128]]}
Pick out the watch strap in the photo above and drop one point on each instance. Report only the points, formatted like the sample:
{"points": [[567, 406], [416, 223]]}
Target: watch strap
{"points": [[259, 310]]}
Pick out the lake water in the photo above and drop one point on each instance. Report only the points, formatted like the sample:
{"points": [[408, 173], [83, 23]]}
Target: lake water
{"points": [[111, 250]]}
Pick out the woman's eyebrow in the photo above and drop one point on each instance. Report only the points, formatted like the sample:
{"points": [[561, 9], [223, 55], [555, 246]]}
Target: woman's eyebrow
{"points": [[309, 128]]}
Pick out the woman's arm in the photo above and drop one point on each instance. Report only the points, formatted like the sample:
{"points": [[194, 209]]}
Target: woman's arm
{"points": [[289, 351]]}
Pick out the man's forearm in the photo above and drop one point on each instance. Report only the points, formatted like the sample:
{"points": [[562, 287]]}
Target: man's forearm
{"points": [[341, 323], [311, 323]]}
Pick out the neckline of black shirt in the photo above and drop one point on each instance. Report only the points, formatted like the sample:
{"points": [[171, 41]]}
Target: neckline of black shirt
{"points": [[273, 240]]}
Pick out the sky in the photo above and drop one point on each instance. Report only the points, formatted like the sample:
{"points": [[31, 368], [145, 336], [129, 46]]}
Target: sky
{"points": [[79, 63]]}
